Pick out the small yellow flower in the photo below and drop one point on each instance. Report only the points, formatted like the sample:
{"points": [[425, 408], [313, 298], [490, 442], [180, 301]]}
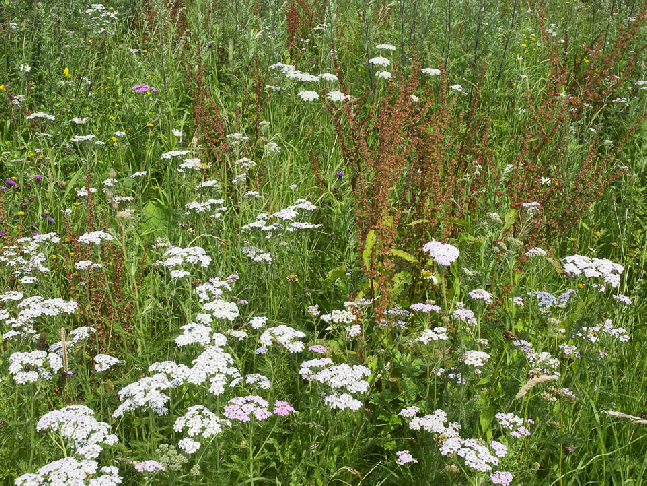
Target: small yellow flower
{"points": [[116, 105], [112, 117], [614, 244], [149, 124], [148, 93], [572, 239], [598, 234], [21, 213], [66, 73], [114, 139], [292, 278], [53, 257], [76, 203], [71, 253], [580, 286], [1, 87], [89, 41], [586, 60], [67, 240]]}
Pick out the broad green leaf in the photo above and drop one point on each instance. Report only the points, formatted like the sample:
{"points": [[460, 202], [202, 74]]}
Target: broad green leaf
{"points": [[404, 255], [509, 219], [371, 238], [336, 273]]}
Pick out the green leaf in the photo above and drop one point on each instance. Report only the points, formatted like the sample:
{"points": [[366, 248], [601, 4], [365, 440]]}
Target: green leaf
{"points": [[336, 273], [510, 217], [404, 255], [417, 221], [486, 417], [371, 238]]}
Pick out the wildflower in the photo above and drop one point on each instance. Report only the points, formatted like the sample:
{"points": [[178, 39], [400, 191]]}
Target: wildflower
{"points": [[409, 412], [430, 71], [104, 362], [38, 178], [309, 95], [531, 207], [337, 96], [437, 334], [380, 61], [318, 348], [516, 425], [149, 466], [383, 74], [536, 252], [443, 254], [25, 68], [475, 358], [456, 87], [404, 457], [501, 477], [481, 294], [387, 47]]}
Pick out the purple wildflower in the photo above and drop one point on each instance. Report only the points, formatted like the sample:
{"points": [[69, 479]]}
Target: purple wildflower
{"points": [[38, 178], [283, 408], [340, 174], [10, 182], [318, 348]]}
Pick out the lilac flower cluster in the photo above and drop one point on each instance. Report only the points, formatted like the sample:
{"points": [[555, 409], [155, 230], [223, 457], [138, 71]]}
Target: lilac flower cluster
{"points": [[143, 88], [242, 408], [426, 308]]}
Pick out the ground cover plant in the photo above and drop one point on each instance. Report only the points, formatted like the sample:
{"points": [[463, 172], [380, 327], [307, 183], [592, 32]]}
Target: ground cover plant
{"points": [[316, 242]]}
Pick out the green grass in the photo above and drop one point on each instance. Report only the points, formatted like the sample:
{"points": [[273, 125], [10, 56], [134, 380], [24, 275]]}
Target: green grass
{"points": [[209, 62]]}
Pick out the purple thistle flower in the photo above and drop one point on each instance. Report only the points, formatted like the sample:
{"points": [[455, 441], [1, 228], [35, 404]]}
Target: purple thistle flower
{"points": [[38, 178], [340, 174], [10, 182]]}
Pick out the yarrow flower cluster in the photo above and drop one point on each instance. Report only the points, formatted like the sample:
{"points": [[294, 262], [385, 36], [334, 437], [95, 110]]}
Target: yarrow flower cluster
{"points": [[200, 421], [426, 308], [286, 336], [243, 408], [515, 425], [443, 254], [465, 315], [435, 334], [149, 466], [104, 362], [33, 366], [481, 294], [405, 457], [338, 378], [70, 471], [79, 429], [95, 237], [577, 265], [475, 358]]}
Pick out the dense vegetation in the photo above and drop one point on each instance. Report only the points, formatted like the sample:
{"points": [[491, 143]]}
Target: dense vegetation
{"points": [[323, 242]]}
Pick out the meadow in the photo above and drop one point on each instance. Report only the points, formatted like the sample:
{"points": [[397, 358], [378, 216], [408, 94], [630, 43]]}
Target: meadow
{"points": [[319, 242]]}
